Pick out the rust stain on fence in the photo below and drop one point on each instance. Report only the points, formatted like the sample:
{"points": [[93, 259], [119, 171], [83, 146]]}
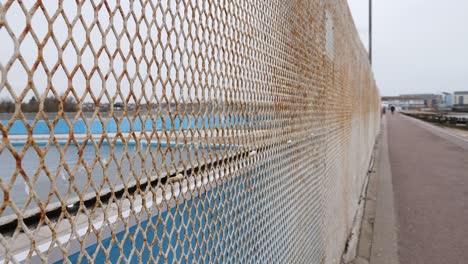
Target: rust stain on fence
{"points": [[181, 131]]}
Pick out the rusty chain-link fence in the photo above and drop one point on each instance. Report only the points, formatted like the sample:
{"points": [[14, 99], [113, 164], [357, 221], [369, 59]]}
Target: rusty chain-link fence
{"points": [[181, 130]]}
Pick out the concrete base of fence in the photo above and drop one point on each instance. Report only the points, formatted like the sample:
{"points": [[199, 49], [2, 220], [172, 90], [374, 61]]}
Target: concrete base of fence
{"points": [[384, 242], [378, 233]]}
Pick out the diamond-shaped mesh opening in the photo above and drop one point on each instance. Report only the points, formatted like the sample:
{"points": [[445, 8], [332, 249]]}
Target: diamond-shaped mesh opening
{"points": [[181, 131]]}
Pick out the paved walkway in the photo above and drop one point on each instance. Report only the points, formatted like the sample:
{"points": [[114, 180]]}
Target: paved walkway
{"points": [[430, 183]]}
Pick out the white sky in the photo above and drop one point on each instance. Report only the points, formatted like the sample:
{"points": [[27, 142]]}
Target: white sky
{"points": [[420, 46], [17, 75]]}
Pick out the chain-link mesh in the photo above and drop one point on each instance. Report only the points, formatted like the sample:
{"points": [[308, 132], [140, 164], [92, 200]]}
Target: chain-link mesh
{"points": [[192, 131]]}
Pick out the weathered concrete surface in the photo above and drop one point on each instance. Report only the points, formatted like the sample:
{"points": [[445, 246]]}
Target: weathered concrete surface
{"points": [[430, 180], [384, 240], [378, 234], [363, 251]]}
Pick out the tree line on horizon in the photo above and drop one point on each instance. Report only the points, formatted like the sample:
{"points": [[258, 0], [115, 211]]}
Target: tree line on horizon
{"points": [[51, 105]]}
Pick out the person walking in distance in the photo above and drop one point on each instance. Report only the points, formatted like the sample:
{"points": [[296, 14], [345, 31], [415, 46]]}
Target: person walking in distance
{"points": [[392, 108]]}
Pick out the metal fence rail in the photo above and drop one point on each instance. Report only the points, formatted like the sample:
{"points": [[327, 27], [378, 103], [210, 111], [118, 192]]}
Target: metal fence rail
{"points": [[458, 120], [181, 131]]}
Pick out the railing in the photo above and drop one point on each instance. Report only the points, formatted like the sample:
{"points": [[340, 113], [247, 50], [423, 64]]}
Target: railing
{"points": [[460, 108], [181, 131], [456, 120]]}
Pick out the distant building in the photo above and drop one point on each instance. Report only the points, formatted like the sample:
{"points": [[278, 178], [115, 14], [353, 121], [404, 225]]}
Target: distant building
{"points": [[404, 102], [104, 107], [414, 101], [447, 102], [430, 100], [88, 107], [460, 101], [447, 99], [118, 106]]}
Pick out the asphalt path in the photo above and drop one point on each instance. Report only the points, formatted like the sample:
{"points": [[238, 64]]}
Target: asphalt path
{"points": [[430, 183]]}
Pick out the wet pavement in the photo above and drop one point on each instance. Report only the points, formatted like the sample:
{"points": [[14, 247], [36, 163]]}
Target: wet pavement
{"points": [[430, 183]]}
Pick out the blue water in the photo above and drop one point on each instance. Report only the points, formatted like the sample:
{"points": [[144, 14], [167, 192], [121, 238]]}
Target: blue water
{"points": [[241, 220], [194, 225], [126, 125], [123, 125], [203, 234], [86, 163]]}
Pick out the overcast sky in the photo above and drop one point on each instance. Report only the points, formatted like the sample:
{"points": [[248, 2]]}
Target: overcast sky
{"points": [[420, 46]]}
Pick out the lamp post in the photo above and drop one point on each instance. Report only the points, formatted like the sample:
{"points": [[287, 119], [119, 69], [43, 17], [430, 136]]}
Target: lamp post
{"points": [[370, 31]]}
